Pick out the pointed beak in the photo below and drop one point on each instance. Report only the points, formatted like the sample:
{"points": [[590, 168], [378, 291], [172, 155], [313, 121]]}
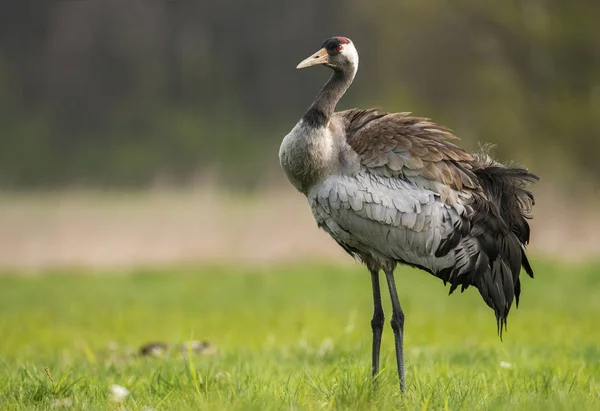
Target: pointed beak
{"points": [[320, 57]]}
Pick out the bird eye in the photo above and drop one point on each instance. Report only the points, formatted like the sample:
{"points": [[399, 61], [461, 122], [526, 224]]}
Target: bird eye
{"points": [[339, 48]]}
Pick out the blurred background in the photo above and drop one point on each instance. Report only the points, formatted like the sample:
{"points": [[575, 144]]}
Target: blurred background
{"points": [[147, 131]]}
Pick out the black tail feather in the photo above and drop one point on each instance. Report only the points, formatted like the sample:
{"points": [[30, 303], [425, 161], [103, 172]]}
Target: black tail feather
{"points": [[502, 231]]}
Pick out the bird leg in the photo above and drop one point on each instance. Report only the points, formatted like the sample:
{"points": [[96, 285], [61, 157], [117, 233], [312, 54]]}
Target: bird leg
{"points": [[397, 323], [377, 321]]}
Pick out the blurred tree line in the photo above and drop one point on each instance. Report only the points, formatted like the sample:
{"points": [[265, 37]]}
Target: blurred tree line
{"points": [[130, 92]]}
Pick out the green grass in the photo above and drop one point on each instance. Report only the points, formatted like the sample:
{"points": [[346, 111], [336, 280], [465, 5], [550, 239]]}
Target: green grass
{"points": [[293, 338]]}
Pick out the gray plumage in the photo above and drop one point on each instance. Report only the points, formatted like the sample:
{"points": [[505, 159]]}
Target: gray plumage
{"points": [[391, 188]]}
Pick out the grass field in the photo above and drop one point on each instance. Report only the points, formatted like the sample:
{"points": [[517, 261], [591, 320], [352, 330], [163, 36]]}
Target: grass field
{"points": [[294, 337]]}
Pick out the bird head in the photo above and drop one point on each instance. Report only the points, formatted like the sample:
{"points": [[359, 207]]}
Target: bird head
{"points": [[337, 53]]}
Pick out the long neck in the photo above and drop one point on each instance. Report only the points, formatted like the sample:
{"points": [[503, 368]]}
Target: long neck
{"points": [[321, 110]]}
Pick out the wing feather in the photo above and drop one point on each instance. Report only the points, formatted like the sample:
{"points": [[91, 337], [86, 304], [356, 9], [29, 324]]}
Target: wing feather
{"points": [[399, 145], [390, 217]]}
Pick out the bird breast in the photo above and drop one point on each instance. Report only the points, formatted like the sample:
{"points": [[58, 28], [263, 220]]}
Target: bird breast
{"points": [[307, 155]]}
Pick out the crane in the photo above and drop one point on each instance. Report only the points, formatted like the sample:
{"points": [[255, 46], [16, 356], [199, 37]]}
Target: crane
{"points": [[391, 188]]}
